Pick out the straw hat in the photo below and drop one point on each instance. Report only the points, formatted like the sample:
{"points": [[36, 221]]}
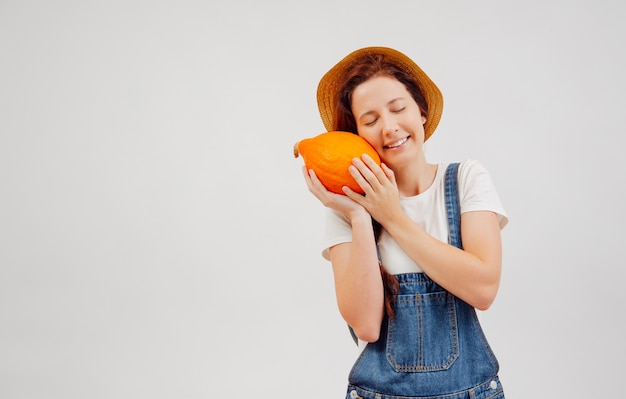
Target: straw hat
{"points": [[328, 86]]}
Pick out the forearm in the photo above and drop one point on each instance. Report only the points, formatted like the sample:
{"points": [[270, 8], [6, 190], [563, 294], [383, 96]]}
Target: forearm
{"points": [[358, 282], [472, 274]]}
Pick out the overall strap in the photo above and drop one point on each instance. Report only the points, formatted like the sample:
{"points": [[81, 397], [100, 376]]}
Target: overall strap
{"points": [[453, 208]]}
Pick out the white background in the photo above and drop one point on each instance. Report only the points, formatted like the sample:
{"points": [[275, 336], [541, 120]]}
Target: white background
{"points": [[156, 236]]}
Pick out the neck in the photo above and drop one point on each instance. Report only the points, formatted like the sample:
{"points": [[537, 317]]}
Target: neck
{"points": [[415, 178]]}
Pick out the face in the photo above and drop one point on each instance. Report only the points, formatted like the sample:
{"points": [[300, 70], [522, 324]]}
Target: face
{"points": [[388, 117]]}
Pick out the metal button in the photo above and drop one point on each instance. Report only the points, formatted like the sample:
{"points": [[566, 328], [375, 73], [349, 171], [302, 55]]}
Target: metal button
{"points": [[354, 394], [493, 384]]}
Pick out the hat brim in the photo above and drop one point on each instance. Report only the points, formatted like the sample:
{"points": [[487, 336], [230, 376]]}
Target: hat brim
{"points": [[329, 84]]}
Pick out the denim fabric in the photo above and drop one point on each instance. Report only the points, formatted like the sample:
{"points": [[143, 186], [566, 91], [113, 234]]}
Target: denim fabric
{"points": [[453, 207], [491, 389], [435, 346]]}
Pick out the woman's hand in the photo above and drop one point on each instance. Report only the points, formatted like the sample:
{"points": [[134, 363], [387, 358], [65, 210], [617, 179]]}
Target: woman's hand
{"points": [[382, 198], [338, 202]]}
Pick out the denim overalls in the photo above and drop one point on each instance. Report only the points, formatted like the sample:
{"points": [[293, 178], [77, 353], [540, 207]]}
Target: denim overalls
{"points": [[434, 347]]}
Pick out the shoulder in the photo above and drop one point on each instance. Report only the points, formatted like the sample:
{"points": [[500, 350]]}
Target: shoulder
{"points": [[477, 190], [468, 171], [469, 167], [473, 173]]}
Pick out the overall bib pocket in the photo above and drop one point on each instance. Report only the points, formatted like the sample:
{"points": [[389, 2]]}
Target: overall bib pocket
{"points": [[423, 336]]}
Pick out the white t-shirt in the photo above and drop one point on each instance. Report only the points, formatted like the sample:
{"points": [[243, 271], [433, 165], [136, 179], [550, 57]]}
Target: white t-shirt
{"points": [[428, 210]]}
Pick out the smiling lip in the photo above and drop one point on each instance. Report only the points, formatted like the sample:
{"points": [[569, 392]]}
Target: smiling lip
{"points": [[397, 143]]}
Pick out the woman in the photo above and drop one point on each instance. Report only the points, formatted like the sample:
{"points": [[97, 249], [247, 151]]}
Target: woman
{"points": [[405, 283]]}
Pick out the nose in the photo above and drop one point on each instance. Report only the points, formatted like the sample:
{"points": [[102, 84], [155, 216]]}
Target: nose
{"points": [[390, 126]]}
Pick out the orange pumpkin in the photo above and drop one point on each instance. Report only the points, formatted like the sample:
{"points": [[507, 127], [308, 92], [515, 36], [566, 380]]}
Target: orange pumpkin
{"points": [[330, 155]]}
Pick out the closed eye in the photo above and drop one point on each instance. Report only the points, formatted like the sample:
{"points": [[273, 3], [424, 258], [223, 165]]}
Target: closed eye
{"points": [[371, 123]]}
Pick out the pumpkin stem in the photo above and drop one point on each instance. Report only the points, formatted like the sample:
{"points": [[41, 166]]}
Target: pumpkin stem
{"points": [[295, 150]]}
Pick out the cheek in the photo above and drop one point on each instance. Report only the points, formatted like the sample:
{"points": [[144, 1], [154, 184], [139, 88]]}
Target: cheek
{"points": [[370, 138]]}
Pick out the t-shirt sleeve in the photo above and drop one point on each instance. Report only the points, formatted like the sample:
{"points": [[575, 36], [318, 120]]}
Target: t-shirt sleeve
{"points": [[477, 191], [338, 230]]}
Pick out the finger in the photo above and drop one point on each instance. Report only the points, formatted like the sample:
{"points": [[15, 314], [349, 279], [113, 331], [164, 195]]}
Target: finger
{"points": [[369, 161], [316, 182], [356, 197], [365, 170], [312, 181], [307, 177], [377, 170], [388, 172], [361, 180], [374, 175], [305, 172]]}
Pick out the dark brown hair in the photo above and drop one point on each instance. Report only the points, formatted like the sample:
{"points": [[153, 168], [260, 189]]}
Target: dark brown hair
{"points": [[390, 282]]}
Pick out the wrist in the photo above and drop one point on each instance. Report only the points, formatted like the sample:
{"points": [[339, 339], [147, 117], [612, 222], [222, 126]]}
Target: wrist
{"points": [[358, 216]]}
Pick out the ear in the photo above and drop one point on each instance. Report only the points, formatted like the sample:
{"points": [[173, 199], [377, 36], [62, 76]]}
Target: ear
{"points": [[423, 119]]}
